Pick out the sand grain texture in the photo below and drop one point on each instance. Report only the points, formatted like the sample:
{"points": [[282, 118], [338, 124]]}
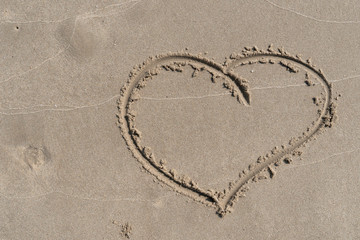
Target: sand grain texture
{"points": [[226, 105]]}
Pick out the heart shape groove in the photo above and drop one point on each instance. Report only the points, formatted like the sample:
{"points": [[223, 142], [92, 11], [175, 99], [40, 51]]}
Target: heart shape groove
{"points": [[263, 167]]}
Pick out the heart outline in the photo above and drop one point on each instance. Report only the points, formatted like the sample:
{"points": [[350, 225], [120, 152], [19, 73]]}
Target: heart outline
{"points": [[239, 89]]}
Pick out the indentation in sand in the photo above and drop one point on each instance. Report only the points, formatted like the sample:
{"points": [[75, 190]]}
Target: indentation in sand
{"points": [[35, 157], [263, 167]]}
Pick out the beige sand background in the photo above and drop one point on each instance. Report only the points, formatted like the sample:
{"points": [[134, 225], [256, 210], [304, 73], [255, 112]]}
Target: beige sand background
{"points": [[66, 173]]}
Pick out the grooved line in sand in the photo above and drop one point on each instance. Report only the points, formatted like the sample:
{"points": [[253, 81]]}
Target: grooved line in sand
{"points": [[238, 87]]}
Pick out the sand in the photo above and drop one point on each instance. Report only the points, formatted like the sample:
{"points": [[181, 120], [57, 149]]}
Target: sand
{"points": [[179, 120]]}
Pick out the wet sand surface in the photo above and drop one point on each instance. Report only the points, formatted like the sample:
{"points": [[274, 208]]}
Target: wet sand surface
{"points": [[179, 120]]}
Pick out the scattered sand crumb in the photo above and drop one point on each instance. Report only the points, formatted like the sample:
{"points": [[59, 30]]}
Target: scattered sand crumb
{"points": [[125, 229]]}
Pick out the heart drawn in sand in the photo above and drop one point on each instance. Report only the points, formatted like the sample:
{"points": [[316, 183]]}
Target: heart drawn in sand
{"points": [[238, 87]]}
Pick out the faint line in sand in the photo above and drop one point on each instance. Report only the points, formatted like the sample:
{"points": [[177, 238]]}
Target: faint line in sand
{"points": [[72, 108], [87, 198], [91, 13], [83, 16], [63, 109], [324, 159], [187, 97], [311, 17]]}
